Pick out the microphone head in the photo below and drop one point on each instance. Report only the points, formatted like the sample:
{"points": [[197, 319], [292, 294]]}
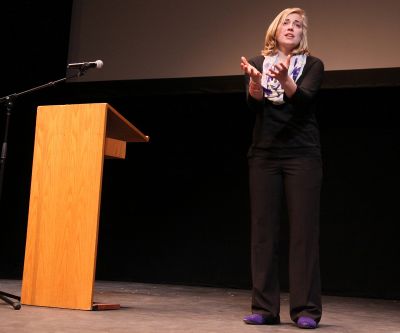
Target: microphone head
{"points": [[99, 64]]}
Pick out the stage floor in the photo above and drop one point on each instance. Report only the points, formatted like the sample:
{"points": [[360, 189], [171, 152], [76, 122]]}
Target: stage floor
{"points": [[153, 308]]}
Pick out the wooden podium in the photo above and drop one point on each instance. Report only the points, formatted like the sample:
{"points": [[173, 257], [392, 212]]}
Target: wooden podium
{"points": [[71, 142]]}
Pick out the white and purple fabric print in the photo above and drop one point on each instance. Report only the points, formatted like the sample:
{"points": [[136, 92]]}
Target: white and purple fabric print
{"points": [[272, 88]]}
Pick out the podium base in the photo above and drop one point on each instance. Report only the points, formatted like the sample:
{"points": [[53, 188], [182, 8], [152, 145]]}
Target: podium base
{"points": [[105, 306]]}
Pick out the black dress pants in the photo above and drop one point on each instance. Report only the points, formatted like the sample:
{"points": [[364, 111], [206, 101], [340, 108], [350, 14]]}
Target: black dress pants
{"points": [[299, 180]]}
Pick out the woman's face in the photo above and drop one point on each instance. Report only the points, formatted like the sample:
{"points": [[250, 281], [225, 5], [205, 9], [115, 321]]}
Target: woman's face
{"points": [[290, 32]]}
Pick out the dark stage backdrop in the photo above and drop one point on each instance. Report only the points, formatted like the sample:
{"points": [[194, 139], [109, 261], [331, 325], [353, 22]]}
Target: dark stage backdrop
{"points": [[176, 210]]}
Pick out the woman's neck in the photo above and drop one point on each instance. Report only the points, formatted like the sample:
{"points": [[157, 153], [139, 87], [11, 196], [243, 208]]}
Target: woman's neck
{"points": [[283, 53]]}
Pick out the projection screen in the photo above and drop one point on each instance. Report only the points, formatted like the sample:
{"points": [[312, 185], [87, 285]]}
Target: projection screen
{"points": [[150, 39]]}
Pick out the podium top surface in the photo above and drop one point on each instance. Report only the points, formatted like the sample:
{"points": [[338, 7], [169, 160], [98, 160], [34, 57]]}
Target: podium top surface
{"points": [[120, 128]]}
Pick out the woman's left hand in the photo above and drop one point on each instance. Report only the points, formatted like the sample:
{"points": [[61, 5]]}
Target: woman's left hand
{"points": [[280, 70]]}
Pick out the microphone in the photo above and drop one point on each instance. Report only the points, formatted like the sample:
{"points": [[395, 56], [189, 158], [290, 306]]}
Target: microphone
{"points": [[86, 65]]}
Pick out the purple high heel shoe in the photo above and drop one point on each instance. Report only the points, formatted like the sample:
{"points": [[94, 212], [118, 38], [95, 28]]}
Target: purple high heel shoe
{"points": [[306, 322], [259, 319]]}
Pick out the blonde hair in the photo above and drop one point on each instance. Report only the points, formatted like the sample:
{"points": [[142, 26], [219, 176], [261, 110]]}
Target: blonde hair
{"points": [[271, 47]]}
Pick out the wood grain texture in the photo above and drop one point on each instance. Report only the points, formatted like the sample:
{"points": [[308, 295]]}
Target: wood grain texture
{"points": [[115, 148], [60, 254]]}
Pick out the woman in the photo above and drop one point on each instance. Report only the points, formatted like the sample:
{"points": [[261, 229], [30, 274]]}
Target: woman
{"points": [[285, 160]]}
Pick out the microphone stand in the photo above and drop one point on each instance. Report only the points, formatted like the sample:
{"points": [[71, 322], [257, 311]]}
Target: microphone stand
{"points": [[9, 101]]}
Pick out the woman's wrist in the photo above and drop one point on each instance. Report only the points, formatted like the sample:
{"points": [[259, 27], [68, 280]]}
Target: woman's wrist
{"points": [[256, 81], [289, 86], [255, 89]]}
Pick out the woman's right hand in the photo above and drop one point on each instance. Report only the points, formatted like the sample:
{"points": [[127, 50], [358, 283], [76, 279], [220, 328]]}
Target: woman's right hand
{"points": [[255, 89], [250, 70]]}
